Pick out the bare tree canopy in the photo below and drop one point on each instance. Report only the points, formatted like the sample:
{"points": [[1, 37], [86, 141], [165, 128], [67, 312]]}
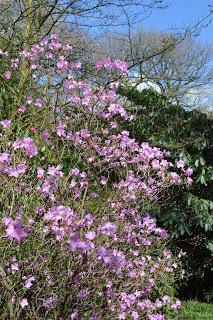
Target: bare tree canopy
{"points": [[39, 17], [174, 61], [175, 64]]}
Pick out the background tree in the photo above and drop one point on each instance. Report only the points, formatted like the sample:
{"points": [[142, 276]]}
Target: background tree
{"points": [[176, 65], [188, 211]]}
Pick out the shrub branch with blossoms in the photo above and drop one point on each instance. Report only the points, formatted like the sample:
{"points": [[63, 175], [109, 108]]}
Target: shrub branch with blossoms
{"points": [[76, 241]]}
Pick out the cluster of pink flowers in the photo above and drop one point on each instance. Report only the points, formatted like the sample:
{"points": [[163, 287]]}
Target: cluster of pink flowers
{"points": [[28, 145], [14, 229], [78, 182], [112, 65]]}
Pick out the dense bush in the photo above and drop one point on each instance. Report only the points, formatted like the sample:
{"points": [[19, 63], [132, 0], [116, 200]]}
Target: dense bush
{"points": [[75, 239], [188, 214]]}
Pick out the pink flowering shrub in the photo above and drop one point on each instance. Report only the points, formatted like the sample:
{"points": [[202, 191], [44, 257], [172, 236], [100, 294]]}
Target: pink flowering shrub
{"points": [[76, 241]]}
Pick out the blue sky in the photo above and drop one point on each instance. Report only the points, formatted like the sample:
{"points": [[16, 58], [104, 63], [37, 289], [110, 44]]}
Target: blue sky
{"points": [[180, 13]]}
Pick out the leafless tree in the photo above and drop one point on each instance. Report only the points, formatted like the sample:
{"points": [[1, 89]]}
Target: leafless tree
{"points": [[37, 18], [177, 63], [173, 61]]}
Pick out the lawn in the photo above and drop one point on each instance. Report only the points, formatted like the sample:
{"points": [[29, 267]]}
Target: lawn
{"points": [[193, 310]]}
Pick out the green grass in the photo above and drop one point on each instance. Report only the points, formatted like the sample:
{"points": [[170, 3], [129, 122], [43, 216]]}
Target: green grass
{"points": [[193, 310]]}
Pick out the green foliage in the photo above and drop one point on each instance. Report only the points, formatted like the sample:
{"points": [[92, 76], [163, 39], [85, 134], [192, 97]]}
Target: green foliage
{"points": [[189, 212]]}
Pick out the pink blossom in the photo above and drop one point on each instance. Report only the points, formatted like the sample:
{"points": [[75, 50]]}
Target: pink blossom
{"points": [[38, 103], [175, 177], [25, 53], [36, 49], [45, 134], [176, 305], [27, 144], [75, 172], [91, 159], [29, 100], [84, 133], [14, 63], [67, 47], [60, 129], [40, 173], [166, 299], [90, 235], [44, 42], [54, 44], [22, 109], [17, 170], [181, 254], [62, 63], [5, 123], [24, 303], [189, 180], [29, 281], [135, 315], [7, 74], [188, 172], [14, 266], [180, 164], [33, 66], [50, 302], [16, 231], [120, 65], [108, 229], [114, 85], [45, 187], [55, 172], [75, 65], [76, 243], [33, 129], [7, 220], [106, 63], [82, 294], [103, 180], [48, 55], [4, 157], [74, 315]]}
